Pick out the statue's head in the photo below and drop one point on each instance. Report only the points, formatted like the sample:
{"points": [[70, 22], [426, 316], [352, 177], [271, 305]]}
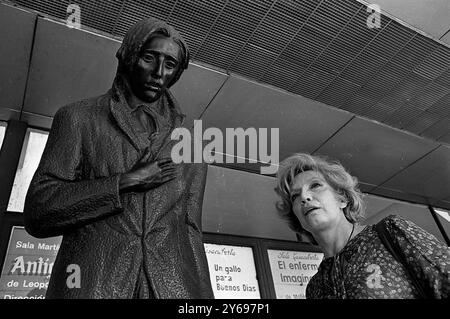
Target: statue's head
{"points": [[152, 58]]}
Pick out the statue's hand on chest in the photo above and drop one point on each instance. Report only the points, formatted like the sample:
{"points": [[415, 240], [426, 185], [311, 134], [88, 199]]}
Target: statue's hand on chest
{"points": [[147, 175]]}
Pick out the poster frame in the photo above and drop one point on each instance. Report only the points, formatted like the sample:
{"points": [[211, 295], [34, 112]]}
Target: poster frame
{"points": [[268, 244], [251, 242]]}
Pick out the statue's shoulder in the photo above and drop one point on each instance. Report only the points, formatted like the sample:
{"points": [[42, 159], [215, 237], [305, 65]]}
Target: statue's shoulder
{"points": [[86, 109]]}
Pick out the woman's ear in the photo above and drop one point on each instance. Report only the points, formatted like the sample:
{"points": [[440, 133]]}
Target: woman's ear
{"points": [[343, 202]]}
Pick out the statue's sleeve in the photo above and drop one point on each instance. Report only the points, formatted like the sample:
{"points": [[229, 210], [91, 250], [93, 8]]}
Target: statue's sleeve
{"points": [[194, 223], [59, 199]]}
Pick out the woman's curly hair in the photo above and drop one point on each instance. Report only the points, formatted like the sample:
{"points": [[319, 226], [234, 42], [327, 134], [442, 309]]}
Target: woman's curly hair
{"points": [[344, 184]]}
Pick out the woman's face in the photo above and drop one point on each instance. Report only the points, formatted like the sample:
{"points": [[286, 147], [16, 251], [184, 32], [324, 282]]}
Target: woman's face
{"points": [[315, 203]]}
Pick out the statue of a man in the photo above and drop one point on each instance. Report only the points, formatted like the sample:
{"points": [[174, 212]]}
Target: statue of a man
{"points": [[130, 218]]}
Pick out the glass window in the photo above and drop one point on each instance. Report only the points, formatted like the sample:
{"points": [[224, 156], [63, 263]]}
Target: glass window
{"points": [[443, 214], [2, 132], [33, 147], [232, 271], [444, 218]]}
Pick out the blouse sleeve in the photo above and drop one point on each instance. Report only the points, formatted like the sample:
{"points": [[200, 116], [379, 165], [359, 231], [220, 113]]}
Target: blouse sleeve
{"points": [[427, 256]]}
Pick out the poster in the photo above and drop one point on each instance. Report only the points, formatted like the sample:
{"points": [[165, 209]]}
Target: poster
{"points": [[28, 265], [232, 271], [291, 271]]}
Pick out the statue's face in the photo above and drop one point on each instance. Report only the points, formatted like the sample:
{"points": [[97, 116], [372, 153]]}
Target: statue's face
{"points": [[155, 69]]}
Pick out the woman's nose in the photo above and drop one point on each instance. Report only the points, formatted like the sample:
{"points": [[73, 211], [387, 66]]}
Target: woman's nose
{"points": [[306, 198]]}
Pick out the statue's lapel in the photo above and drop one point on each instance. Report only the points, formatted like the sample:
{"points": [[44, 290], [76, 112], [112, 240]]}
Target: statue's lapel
{"points": [[124, 122]]}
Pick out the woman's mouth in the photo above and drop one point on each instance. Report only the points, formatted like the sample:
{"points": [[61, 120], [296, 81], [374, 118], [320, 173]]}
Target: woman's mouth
{"points": [[309, 210]]}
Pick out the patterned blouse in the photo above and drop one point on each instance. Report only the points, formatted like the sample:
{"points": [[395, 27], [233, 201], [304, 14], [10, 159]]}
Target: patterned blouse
{"points": [[365, 269]]}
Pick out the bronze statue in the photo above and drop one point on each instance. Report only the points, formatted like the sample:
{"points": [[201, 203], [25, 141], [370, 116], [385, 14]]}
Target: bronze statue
{"points": [[130, 218]]}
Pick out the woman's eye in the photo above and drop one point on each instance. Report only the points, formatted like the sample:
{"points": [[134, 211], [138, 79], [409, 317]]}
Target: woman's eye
{"points": [[315, 185]]}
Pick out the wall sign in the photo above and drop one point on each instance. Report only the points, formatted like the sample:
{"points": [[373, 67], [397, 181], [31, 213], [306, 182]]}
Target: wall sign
{"points": [[291, 271], [28, 265], [232, 271]]}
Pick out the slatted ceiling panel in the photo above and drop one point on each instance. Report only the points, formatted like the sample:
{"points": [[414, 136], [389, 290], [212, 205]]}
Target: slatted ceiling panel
{"points": [[363, 67], [276, 30], [435, 64], [390, 40], [392, 75], [55, 8], [358, 31], [124, 22], [444, 79], [379, 109], [379, 112], [442, 106], [338, 92], [373, 91], [337, 56], [417, 50], [419, 81], [194, 42], [423, 122], [438, 130], [300, 9], [105, 22], [358, 104], [385, 107], [330, 17], [312, 82], [219, 50], [403, 116], [194, 33], [350, 7], [405, 91], [381, 84], [188, 11], [370, 92], [431, 94], [352, 43], [194, 27], [283, 73], [240, 18], [392, 102], [307, 45], [136, 10], [253, 61]]}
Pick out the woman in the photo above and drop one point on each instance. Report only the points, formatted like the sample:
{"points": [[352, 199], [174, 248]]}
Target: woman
{"points": [[320, 197]]}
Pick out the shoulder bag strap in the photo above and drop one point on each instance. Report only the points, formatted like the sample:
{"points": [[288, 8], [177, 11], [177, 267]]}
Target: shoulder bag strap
{"points": [[398, 254]]}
